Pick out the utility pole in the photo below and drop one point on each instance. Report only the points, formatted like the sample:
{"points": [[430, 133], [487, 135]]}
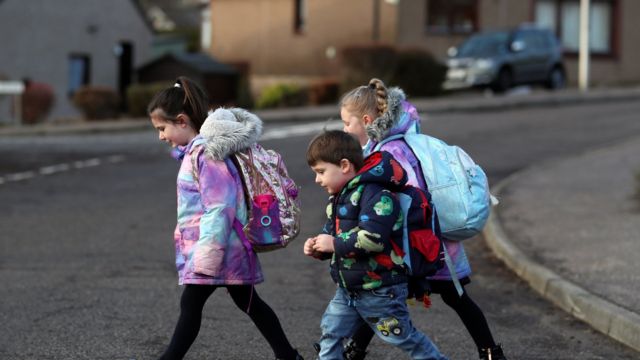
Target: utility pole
{"points": [[583, 62], [375, 31]]}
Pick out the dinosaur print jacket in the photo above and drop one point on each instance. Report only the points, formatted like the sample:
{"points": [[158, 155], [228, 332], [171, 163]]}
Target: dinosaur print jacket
{"points": [[366, 222]]}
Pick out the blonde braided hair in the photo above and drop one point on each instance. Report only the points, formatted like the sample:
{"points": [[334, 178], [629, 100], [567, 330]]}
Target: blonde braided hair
{"points": [[368, 99]]}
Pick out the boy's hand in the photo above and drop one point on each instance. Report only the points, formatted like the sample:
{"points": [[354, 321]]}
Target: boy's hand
{"points": [[324, 243], [308, 247]]}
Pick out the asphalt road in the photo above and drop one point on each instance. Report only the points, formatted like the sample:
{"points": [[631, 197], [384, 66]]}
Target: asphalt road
{"points": [[86, 257]]}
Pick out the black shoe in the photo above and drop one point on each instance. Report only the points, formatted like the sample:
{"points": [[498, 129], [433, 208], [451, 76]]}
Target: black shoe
{"points": [[353, 352], [494, 353]]}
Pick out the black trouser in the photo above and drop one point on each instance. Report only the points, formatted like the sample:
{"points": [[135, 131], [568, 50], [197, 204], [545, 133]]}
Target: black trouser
{"points": [[470, 314], [192, 302]]}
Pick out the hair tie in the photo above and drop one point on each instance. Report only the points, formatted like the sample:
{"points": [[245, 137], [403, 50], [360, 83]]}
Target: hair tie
{"points": [[177, 84], [372, 86]]}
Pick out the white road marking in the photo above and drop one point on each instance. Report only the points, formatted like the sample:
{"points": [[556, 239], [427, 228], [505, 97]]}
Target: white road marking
{"points": [[274, 133], [300, 130], [52, 169], [59, 168]]}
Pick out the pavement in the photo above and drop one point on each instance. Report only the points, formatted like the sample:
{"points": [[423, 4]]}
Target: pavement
{"points": [[569, 227]]}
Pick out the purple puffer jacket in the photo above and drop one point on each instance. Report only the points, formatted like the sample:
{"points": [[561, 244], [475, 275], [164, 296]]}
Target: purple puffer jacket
{"points": [[210, 196], [400, 118]]}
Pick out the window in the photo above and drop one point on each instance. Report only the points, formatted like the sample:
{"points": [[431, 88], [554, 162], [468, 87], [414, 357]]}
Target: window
{"points": [[79, 72], [299, 16], [563, 18], [452, 16]]}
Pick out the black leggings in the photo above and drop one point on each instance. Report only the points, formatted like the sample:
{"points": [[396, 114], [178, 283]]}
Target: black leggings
{"points": [[192, 302], [470, 314]]}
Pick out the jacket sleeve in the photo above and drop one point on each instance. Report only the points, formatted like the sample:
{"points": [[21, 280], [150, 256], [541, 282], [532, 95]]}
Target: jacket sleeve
{"points": [[328, 227], [378, 214], [218, 196]]}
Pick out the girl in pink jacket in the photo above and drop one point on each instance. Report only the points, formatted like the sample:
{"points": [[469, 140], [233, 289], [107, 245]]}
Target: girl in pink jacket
{"points": [[372, 113], [209, 253]]}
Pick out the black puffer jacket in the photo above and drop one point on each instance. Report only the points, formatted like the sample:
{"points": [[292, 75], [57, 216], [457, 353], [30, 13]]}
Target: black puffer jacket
{"points": [[366, 221]]}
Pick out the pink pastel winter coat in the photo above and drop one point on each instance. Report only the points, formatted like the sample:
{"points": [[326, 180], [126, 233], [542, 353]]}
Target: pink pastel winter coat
{"points": [[210, 197]]}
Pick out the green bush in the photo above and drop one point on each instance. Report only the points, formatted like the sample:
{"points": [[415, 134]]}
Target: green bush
{"points": [[139, 96], [97, 102], [282, 95], [418, 73]]}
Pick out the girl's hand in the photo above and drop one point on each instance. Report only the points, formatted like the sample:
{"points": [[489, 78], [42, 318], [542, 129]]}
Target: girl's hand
{"points": [[324, 243]]}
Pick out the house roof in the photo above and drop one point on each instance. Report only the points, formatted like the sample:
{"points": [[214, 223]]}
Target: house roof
{"points": [[198, 61]]}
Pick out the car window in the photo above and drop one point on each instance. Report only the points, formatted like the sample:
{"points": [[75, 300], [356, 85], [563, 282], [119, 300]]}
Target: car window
{"points": [[482, 45], [531, 40]]}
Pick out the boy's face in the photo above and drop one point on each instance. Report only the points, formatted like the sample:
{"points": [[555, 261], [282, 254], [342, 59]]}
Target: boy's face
{"points": [[333, 177]]}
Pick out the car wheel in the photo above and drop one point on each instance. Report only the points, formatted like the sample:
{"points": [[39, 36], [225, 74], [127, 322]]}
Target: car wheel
{"points": [[503, 81], [556, 79]]}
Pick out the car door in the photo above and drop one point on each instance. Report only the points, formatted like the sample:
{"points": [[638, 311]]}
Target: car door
{"points": [[526, 56]]}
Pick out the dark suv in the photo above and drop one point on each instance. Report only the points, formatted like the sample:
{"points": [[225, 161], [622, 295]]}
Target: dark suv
{"points": [[502, 59]]}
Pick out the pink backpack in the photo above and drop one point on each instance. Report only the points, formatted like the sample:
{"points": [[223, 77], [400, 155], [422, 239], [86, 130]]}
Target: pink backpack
{"points": [[272, 199]]}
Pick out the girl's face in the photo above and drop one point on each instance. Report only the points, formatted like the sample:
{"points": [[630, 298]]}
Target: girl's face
{"points": [[355, 125], [179, 133]]}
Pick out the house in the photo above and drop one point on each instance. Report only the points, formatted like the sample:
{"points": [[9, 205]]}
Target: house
{"points": [[70, 43], [219, 80], [284, 38], [178, 24]]}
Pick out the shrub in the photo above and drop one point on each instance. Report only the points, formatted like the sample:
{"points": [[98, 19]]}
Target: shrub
{"points": [[37, 101], [324, 91], [282, 95], [414, 70], [360, 63], [418, 73], [139, 96], [97, 102]]}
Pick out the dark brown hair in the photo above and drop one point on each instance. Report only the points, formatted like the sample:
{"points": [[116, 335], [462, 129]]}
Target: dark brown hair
{"points": [[367, 99], [184, 97], [331, 146]]}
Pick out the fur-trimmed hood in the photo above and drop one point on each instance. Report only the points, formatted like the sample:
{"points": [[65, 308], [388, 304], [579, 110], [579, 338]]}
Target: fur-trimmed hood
{"points": [[401, 117], [230, 130]]}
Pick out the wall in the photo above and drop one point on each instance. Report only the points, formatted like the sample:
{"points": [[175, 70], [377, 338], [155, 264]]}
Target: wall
{"points": [[267, 39], [39, 35]]}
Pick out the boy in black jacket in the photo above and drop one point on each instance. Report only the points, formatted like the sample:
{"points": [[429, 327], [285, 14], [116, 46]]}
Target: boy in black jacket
{"points": [[362, 237]]}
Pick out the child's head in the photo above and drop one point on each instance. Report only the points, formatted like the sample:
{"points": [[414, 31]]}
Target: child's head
{"points": [[179, 111], [360, 106], [335, 157]]}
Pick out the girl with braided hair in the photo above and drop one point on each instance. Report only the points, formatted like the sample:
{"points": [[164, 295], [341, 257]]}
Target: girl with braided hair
{"points": [[373, 113]]}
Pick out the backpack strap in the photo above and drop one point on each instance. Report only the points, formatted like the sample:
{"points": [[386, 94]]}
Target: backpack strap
{"points": [[237, 225], [388, 139]]}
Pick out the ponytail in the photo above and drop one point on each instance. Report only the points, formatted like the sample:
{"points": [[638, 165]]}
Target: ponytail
{"points": [[367, 99], [185, 96]]}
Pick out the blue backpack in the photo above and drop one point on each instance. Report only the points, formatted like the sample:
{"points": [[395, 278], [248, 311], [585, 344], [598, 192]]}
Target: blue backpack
{"points": [[458, 186]]}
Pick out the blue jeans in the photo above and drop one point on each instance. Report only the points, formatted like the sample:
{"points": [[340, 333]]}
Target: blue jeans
{"points": [[385, 311]]}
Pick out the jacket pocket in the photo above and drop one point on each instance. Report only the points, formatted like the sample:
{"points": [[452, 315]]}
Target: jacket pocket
{"points": [[208, 259]]}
